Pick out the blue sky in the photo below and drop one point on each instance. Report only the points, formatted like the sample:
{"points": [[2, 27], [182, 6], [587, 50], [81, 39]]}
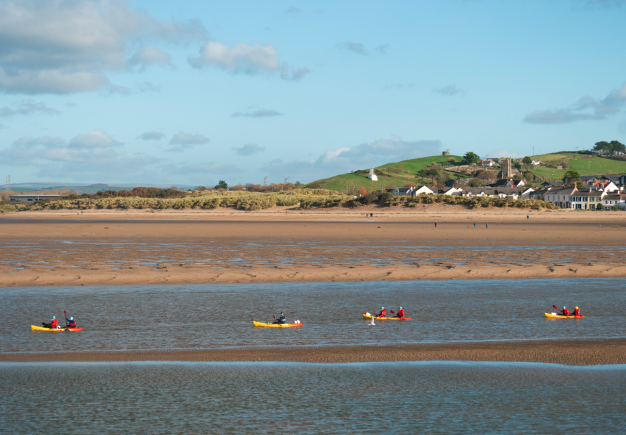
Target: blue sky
{"points": [[192, 92]]}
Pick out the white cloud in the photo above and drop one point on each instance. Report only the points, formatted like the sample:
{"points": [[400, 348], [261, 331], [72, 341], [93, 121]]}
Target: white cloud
{"points": [[147, 56], [248, 149], [587, 108], [28, 107], [496, 154], [151, 135], [246, 59], [254, 112], [65, 46], [206, 168], [241, 58], [450, 90], [346, 159], [354, 47], [95, 139], [184, 141], [82, 158]]}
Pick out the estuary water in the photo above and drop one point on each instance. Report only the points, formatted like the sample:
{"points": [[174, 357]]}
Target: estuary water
{"points": [[153, 317], [236, 398]]}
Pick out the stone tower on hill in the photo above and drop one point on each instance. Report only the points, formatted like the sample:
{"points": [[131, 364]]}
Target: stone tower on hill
{"points": [[506, 169]]}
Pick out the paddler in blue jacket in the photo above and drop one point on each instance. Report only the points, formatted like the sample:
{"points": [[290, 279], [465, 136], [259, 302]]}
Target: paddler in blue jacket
{"points": [[281, 318], [71, 323]]}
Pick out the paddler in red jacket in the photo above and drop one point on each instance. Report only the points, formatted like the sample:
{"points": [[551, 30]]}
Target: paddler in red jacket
{"points": [[71, 323], [576, 312], [564, 311], [401, 312], [53, 323], [382, 313]]}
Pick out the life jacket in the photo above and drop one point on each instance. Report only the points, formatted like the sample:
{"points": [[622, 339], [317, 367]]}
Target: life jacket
{"points": [[53, 323], [576, 313], [565, 312], [401, 313], [382, 313], [282, 319], [72, 323]]}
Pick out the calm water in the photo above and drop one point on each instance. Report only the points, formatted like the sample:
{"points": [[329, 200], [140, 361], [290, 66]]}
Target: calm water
{"points": [[213, 316], [204, 398]]}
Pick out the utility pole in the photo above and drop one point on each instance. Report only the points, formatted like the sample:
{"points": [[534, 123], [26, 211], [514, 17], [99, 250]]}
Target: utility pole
{"points": [[265, 181], [8, 188], [576, 153], [533, 151]]}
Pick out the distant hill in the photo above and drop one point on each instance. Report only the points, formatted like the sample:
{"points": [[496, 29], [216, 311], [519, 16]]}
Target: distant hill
{"points": [[585, 164], [399, 174], [83, 188], [404, 172]]}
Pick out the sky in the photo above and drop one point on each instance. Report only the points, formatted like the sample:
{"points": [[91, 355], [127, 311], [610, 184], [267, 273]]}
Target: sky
{"points": [[193, 92]]}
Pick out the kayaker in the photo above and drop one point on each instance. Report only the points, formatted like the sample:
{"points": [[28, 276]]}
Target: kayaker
{"points": [[53, 323], [576, 312], [382, 313], [281, 318], [401, 312], [564, 311], [71, 323]]}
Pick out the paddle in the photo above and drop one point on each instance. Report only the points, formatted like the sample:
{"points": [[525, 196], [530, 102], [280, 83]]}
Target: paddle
{"points": [[65, 315]]}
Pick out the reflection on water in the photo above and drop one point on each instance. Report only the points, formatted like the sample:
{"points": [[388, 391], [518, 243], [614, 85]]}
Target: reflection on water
{"points": [[220, 315], [310, 399]]}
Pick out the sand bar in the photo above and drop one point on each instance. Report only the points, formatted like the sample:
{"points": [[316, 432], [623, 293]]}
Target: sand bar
{"points": [[40, 252], [568, 352]]}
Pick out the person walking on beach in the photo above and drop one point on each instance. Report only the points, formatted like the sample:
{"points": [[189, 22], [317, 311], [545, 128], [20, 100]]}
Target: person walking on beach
{"points": [[281, 318], [400, 312], [564, 311], [53, 323], [382, 313]]}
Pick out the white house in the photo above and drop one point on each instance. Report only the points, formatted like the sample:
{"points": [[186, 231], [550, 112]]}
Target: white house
{"points": [[527, 192], [487, 163], [452, 191], [576, 199], [402, 190], [32, 197], [372, 176], [422, 190], [560, 197], [536, 162], [614, 200]]}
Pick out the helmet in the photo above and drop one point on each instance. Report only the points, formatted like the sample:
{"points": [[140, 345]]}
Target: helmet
{"points": [[400, 308], [54, 317], [576, 307], [382, 308], [71, 318], [564, 306]]}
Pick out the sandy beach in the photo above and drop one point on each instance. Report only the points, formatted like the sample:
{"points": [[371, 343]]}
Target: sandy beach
{"points": [[567, 352], [127, 248]]}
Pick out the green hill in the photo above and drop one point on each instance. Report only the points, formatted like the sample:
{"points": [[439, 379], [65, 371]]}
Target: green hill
{"points": [[583, 165], [398, 174], [405, 172]]}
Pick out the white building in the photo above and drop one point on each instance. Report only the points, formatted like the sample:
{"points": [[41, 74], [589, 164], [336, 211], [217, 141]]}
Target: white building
{"points": [[422, 190], [32, 197], [372, 176]]}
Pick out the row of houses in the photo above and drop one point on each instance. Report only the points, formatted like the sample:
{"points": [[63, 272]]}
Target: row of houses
{"points": [[495, 192]]}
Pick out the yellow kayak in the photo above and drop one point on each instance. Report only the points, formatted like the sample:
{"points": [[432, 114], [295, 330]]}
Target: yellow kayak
{"points": [[369, 316], [277, 325], [558, 316], [41, 328]]}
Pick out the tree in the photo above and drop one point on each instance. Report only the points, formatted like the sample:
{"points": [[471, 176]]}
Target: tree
{"points": [[617, 147], [222, 185], [451, 160], [431, 173], [517, 166], [571, 177], [470, 158], [602, 147], [298, 183], [200, 188], [475, 182], [527, 161], [362, 192]]}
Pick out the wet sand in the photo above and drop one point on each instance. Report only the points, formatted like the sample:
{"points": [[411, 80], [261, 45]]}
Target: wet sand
{"points": [[567, 352], [40, 252]]}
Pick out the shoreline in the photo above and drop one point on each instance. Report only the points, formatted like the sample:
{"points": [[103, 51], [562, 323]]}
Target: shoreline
{"points": [[566, 352]]}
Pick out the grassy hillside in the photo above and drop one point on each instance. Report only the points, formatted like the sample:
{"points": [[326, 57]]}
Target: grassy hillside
{"points": [[592, 166], [408, 168]]}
